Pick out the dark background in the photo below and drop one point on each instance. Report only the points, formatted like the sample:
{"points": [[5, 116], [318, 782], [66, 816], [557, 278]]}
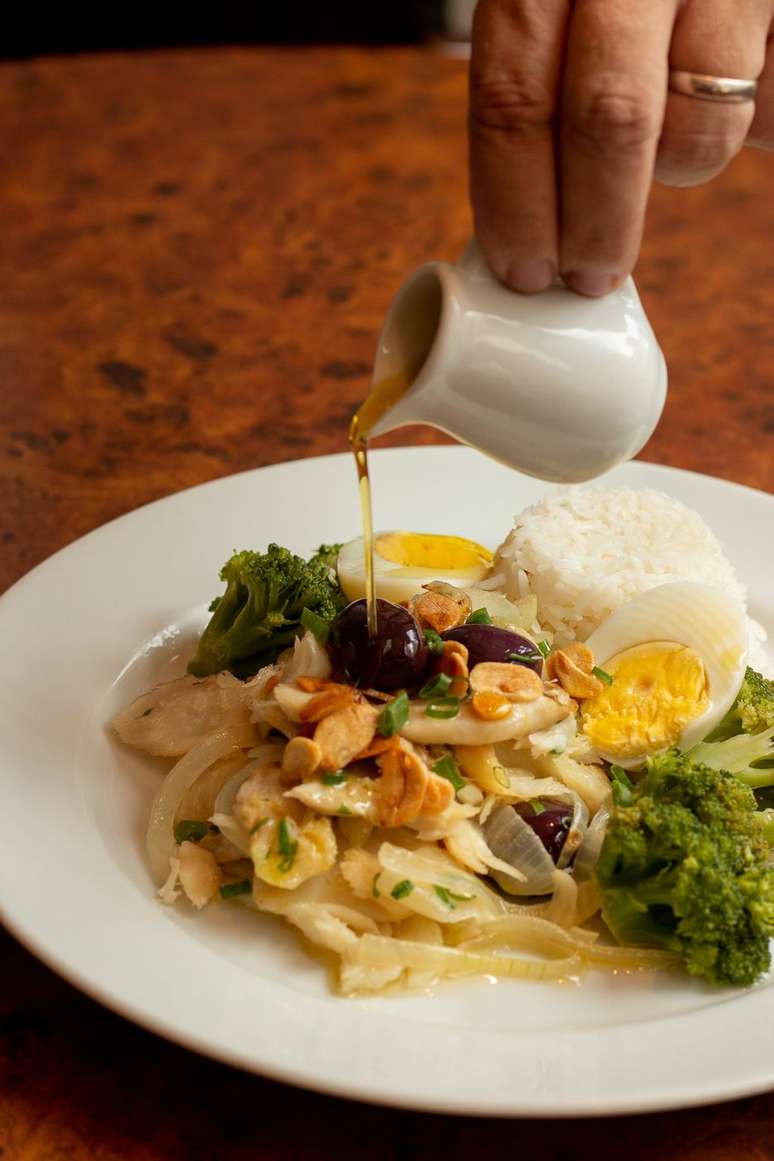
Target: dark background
{"points": [[73, 29]]}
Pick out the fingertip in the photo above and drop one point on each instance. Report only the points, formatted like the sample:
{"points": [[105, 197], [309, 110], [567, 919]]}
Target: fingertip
{"points": [[530, 276], [592, 283]]}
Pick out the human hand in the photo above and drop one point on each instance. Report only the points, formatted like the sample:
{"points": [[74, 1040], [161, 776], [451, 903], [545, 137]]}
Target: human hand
{"points": [[570, 118]]}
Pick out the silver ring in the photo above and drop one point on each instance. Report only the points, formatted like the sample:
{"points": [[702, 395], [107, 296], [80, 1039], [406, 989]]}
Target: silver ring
{"points": [[729, 90]]}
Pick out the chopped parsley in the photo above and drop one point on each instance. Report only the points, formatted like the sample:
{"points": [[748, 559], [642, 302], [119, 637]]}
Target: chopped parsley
{"points": [[448, 897], [402, 889], [524, 658], [231, 890], [288, 846], [447, 768], [193, 830], [334, 778]]}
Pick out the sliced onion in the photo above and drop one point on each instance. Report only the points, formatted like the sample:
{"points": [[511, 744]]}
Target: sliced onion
{"points": [[418, 929], [160, 839], [231, 830], [525, 932], [199, 799], [514, 841], [588, 852], [465, 842], [378, 951], [554, 740], [638, 959], [308, 659], [564, 902], [577, 831], [590, 782], [589, 900]]}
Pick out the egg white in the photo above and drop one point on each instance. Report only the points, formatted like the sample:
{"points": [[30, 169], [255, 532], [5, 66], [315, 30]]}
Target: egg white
{"points": [[395, 582], [699, 616]]}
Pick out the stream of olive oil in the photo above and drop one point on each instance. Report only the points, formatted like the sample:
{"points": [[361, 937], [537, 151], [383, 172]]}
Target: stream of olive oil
{"points": [[383, 396]]}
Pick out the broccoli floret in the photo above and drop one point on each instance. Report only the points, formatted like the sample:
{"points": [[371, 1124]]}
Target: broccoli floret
{"points": [[755, 703], [260, 613], [752, 711], [743, 743], [326, 554], [684, 867]]}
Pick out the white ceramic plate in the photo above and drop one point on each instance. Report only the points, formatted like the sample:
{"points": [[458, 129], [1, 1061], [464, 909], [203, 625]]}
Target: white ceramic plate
{"points": [[103, 619]]}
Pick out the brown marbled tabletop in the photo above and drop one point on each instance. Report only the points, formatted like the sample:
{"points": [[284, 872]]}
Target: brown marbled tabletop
{"points": [[197, 252]]}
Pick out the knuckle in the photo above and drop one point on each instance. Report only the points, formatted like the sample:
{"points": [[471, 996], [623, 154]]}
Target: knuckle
{"points": [[612, 119], [508, 105]]}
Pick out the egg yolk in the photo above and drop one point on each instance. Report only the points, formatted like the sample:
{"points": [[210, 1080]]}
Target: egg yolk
{"points": [[428, 550], [657, 689]]}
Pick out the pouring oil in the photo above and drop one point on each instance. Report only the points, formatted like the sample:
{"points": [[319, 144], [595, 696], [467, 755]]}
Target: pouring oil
{"points": [[383, 396]]}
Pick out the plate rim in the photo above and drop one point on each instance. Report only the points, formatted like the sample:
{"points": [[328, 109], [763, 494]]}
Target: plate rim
{"points": [[37, 944]]}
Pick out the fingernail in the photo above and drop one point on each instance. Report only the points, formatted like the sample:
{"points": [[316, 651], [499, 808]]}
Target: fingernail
{"points": [[593, 283], [529, 277]]}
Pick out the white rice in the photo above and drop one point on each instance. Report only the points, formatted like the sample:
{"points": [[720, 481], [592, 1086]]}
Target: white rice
{"points": [[583, 552]]}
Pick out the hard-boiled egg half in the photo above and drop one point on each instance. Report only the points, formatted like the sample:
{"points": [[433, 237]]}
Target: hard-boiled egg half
{"points": [[676, 655], [404, 561]]}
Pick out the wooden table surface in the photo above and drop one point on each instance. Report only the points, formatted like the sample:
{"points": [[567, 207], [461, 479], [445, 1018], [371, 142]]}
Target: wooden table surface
{"points": [[197, 252]]}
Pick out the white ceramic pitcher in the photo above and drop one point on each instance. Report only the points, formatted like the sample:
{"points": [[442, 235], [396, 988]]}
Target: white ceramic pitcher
{"points": [[553, 384]]}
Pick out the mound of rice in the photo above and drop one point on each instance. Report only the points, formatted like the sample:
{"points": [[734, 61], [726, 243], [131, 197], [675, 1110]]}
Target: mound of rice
{"points": [[585, 551]]}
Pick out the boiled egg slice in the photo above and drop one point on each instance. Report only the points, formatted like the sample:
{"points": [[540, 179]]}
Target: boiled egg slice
{"points": [[404, 561], [676, 655]]}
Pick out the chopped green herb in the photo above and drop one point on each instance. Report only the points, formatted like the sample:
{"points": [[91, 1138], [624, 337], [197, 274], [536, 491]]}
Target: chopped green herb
{"points": [[288, 846], [443, 707], [618, 774], [402, 889], [257, 826], [393, 716], [479, 617], [231, 890], [622, 786], [603, 675], [343, 810], [193, 830], [447, 768], [145, 713], [434, 642], [524, 658], [374, 888], [448, 897], [334, 778], [436, 686], [537, 806], [318, 625], [544, 648]]}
